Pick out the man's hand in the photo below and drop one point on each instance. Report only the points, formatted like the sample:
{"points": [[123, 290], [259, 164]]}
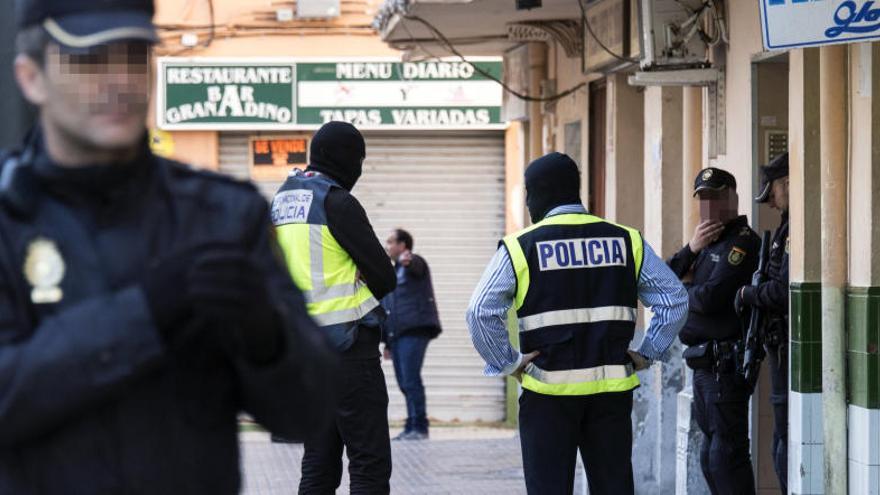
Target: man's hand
{"points": [[639, 362], [706, 233], [387, 353], [405, 258], [688, 277], [745, 296], [527, 358]]}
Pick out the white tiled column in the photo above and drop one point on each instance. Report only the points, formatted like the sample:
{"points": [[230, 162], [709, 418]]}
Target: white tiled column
{"points": [[864, 451], [805, 444]]}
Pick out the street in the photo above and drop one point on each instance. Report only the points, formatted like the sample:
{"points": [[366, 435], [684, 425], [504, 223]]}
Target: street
{"points": [[457, 460]]}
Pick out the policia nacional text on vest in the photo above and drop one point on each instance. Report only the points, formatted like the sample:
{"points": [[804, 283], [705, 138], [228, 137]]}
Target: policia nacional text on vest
{"points": [[320, 267], [576, 301]]}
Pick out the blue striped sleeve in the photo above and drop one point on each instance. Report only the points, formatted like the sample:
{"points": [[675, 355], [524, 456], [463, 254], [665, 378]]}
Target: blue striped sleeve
{"points": [[487, 316], [663, 292]]}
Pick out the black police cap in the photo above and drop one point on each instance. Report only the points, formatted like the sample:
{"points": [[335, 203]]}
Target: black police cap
{"points": [[713, 179], [89, 23], [776, 169]]}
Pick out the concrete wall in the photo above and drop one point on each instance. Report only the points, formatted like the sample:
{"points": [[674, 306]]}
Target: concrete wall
{"points": [[863, 295], [745, 42], [566, 73], [624, 173]]}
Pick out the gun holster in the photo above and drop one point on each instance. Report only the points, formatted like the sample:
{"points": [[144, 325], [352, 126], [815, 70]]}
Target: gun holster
{"points": [[700, 357], [776, 333]]}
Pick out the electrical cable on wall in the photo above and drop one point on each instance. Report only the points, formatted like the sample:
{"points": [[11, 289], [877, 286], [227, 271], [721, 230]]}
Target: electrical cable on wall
{"points": [[452, 49], [211, 33], [599, 42]]}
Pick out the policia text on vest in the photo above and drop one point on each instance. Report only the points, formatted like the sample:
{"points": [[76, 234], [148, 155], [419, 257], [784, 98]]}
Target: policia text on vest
{"points": [[581, 253]]}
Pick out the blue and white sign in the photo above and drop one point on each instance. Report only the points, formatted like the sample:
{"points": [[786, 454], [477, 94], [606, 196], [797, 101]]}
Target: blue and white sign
{"points": [[569, 254], [802, 23]]}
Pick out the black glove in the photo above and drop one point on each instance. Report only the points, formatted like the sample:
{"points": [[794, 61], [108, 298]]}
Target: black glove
{"points": [[165, 287], [745, 298], [229, 289]]}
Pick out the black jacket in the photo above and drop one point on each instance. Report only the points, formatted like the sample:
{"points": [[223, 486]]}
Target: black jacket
{"points": [[772, 295], [91, 398], [411, 305], [718, 271]]}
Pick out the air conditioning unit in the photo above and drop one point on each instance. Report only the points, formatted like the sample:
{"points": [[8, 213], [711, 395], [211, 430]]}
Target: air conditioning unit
{"points": [[673, 33]]}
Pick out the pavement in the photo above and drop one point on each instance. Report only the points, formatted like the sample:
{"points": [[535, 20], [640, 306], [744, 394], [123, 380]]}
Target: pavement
{"points": [[456, 460]]}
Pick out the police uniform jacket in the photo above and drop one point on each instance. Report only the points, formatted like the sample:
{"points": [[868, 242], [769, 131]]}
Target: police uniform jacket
{"points": [[717, 272], [772, 295], [92, 400]]}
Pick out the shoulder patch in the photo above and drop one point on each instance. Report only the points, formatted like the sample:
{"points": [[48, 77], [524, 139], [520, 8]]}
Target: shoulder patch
{"points": [[736, 256]]}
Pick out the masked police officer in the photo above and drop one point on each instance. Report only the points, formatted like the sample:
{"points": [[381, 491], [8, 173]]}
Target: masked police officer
{"points": [[141, 307], [722, 256], [333, 255], [575, 281], [772, 298]]}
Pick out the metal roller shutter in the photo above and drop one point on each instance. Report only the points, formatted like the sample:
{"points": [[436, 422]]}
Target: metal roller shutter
{"points": [[447, 189]]}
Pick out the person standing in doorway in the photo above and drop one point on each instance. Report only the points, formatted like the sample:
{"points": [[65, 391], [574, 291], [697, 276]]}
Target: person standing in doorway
{"points": [[333, 255], [772, 298], [721, 256], [412, 322]]}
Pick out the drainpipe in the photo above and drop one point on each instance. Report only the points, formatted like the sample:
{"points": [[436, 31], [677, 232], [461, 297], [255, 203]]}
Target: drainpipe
{"points": [[833, 142], [537, 76], [692, 154]]}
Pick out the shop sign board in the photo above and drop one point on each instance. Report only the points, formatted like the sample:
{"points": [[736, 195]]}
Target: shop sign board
{"points": [[273, 157], [206, 94], [801, 23]]}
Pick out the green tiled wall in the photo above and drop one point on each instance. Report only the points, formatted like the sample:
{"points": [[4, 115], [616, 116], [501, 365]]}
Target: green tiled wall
{"points": [[806, 337], [863, 346]]}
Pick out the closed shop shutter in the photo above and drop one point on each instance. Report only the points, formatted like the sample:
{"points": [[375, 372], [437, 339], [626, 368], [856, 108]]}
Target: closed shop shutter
{"points": [[447, 189]]}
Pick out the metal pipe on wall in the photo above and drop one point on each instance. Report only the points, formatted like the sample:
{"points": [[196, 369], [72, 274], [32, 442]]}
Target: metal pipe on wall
{"points": [[833, 144]]}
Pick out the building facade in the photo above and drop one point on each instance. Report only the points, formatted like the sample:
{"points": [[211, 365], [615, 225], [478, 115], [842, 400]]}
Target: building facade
{"points": [[643, 117], [241, 86]]}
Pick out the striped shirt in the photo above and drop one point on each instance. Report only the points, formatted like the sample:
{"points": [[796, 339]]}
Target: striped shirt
{"points": [[659, 289]]}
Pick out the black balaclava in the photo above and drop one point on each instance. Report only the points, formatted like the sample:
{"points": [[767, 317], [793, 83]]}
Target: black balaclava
{"points": [[338, 150], [552, 180]]}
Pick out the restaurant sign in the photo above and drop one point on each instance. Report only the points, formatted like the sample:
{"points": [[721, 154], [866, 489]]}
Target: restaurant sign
{"points": [[206, 94]]}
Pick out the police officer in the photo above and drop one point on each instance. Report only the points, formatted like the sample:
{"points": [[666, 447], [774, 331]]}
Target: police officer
{"points": [[772, 298], [334, 256], [575, 281], [141, 307], [721, 257]]}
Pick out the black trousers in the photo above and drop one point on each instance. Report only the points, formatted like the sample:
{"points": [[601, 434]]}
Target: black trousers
{"points": [[554, 428], [361, 426], [721, 410], [778, 363]]}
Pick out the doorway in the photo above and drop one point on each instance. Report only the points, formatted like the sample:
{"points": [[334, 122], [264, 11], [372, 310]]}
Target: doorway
{"points": [[769, 140]]}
